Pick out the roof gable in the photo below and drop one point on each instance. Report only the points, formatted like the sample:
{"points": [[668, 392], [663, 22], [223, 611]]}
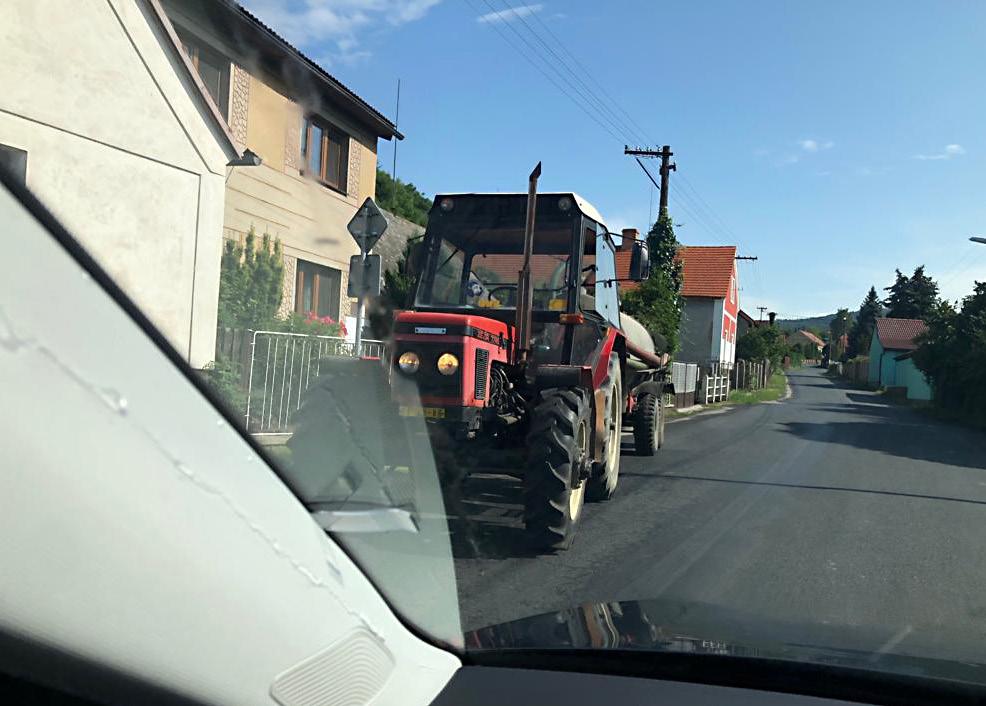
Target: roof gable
{"points": [[899, 334], [707, 270], [812, 337]]}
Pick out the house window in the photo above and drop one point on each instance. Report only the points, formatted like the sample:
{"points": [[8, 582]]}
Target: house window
{"points": [[15, 162], [325, 153], [318, 289], [212, 67]]}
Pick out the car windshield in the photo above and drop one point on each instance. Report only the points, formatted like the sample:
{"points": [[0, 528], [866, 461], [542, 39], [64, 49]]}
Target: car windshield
{"points": [[743, 411]]}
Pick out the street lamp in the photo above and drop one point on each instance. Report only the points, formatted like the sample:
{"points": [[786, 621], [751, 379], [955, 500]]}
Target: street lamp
{"points": [[976, 239]]}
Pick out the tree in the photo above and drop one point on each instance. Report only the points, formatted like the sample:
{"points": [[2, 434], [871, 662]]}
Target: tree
{"points": [[914, 297], [898, 302], [839, 327], [952, 354], [402, 199], [657, 302], [862, 328], [251, 282], [763, 342], [923, 293]]}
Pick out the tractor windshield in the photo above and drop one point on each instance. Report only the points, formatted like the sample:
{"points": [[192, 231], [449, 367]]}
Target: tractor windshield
{"points": [[475, 252]]}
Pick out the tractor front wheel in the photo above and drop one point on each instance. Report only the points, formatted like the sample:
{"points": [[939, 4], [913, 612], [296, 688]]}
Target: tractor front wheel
{"points": [[558, 454], [606, 473]]}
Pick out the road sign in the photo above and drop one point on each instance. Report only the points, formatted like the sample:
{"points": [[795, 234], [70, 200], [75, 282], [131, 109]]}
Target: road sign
{"points": [[367, 225], [364, 276]]}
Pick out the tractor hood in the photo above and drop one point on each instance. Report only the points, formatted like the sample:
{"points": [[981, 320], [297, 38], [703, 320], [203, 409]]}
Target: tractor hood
{"points": [[426, 325]]}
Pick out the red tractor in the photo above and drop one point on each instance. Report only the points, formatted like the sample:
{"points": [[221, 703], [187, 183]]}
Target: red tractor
{"points": [[517, 356]]}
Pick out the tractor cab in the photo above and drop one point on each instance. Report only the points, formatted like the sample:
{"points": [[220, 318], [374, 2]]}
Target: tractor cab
{"points": [[473, 251]]}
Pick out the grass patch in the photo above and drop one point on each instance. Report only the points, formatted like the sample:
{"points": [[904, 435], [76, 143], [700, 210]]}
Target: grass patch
{"points": [[776, 387]]}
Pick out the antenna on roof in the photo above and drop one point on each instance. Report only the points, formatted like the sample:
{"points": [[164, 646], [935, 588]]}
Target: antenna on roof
{"points": [[397, 117]]}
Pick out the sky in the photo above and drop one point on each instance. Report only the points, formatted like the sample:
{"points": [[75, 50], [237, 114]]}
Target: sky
{"points": [[834, 141]]}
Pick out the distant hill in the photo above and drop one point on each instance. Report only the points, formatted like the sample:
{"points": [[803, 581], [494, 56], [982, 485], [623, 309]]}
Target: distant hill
{"points": [[817, 322]]}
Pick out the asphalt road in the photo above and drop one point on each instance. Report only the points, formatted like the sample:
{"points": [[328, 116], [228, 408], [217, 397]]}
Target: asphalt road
{"points": [[830, 518]]}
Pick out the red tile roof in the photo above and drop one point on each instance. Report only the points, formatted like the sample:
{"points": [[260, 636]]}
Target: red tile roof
{"points": [[623, 270], [899, 334], [812, 337], [707, 270]]}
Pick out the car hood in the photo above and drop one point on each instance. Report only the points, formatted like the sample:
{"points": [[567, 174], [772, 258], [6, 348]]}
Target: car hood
{"points": [[689, 628]]}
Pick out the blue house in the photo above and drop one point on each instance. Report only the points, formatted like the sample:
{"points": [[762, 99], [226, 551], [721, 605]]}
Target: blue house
{"points": [[891, 364]]}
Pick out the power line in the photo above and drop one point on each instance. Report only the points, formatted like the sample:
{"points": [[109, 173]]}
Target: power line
{"points": [[588, 73], [548, 76], [689, 198], [613, 118], [534, 50]]}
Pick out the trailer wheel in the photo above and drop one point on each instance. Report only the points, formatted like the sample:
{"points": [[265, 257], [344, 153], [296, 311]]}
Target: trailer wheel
{"points": [[664, 420], [605, 474], [648, 424], [558, 451]]}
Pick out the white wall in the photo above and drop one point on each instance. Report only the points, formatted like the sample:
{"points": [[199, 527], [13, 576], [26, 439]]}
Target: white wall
{"points": [[120, 151]]}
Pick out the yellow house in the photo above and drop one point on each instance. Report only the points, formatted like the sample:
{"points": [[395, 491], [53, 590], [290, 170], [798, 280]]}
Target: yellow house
{"points": [[317, 141]]}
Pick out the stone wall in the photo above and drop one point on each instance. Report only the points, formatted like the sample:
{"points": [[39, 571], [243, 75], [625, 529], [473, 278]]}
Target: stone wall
{"points": [[391, 245]]}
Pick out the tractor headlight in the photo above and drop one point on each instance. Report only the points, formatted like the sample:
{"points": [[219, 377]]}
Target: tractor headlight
{"points": [[409, 362], [447, 364]]}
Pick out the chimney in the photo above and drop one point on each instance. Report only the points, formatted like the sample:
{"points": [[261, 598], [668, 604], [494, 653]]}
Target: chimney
{"points": [[772, 315], [629, 235]]}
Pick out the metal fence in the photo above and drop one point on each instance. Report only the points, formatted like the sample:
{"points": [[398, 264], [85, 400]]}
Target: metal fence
{"points": [[274, 369], [751, 374]]}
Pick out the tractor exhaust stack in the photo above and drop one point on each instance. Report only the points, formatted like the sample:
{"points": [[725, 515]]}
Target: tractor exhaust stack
{"points": [[525, 294]]}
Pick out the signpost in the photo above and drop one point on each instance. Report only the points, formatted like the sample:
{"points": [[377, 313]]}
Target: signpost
{"points": [[366, 227]]}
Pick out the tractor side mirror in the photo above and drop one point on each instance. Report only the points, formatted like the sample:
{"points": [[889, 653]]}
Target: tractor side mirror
{"points": [[639, 261]]}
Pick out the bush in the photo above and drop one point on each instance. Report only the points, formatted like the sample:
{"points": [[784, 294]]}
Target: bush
{"points": [[311, 325], [251, 282], [952, 354], [223, 377]]}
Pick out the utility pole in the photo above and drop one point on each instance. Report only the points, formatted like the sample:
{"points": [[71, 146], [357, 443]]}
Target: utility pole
{"points": [[762, 310], [667, 166]]}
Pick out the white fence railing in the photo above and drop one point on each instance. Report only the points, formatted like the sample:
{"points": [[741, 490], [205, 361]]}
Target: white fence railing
{"points": [[280, 368], [716, 388]]}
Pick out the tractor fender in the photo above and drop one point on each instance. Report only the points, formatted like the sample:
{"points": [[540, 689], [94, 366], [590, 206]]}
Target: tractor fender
{"points": [[655, 387]]}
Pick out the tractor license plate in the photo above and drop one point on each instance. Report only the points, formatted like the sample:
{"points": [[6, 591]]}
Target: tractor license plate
{"points": [[427, 412]]}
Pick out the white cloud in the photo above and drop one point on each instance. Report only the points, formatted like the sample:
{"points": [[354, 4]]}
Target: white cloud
{"points": [[509, 14], [313, 24], [810, 145], [952, 150]]}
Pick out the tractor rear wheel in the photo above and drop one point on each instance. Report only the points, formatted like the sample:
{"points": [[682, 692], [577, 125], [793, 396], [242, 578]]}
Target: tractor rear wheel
{"points": [[605, 474], [648, 424], [558, 451]]}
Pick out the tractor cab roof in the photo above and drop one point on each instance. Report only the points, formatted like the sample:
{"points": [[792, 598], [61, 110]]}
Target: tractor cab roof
{"points": [[586, 208], [495, 222]]}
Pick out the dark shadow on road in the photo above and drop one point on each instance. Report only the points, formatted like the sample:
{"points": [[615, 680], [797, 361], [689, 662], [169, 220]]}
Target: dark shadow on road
{"points": [[800, 486], [487, 519], [899, 435], [869, 398]]}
